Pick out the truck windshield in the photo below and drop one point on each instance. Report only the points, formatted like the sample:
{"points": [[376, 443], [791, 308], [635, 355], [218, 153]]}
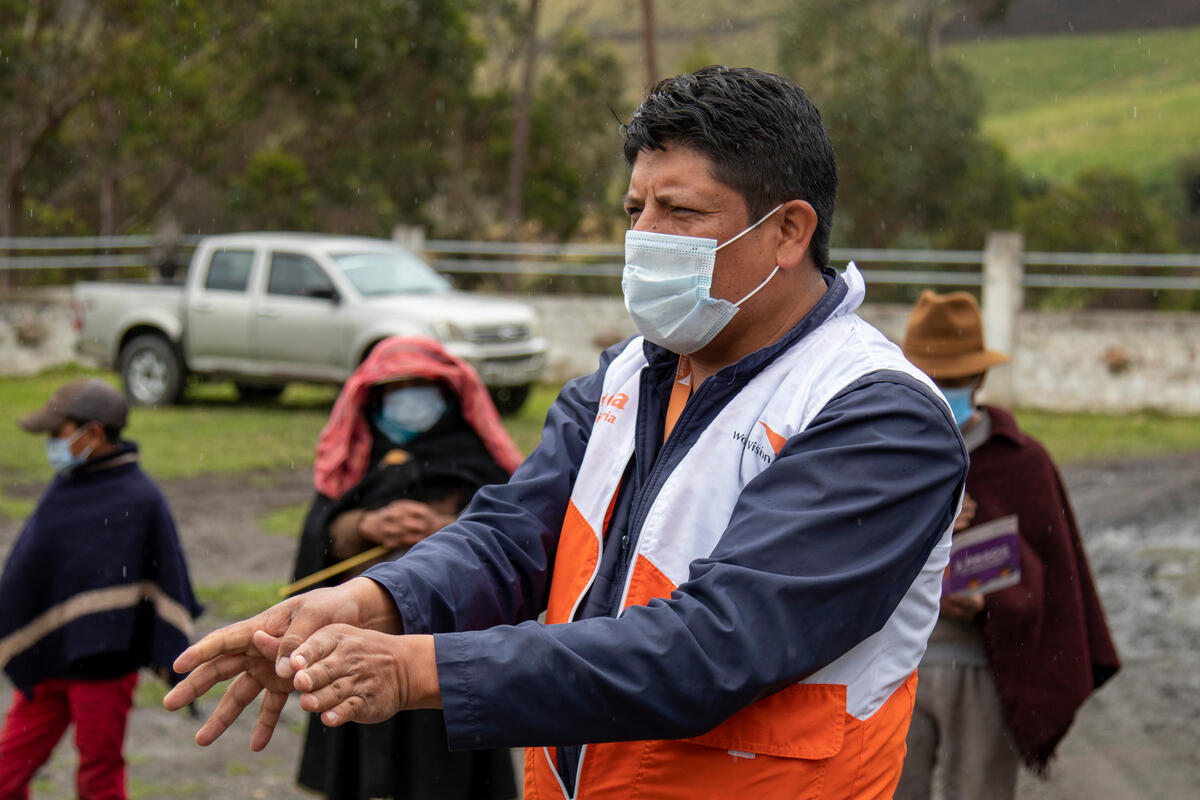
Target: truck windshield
{"points": [[383, 273]]}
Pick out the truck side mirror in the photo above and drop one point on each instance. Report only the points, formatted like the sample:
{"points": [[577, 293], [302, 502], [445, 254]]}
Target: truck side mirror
{"points": [[324, 293]]}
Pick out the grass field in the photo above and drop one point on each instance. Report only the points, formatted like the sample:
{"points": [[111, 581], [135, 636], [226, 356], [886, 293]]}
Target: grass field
{"points": [[212, 433], [1064, 104], [1075, 438]]}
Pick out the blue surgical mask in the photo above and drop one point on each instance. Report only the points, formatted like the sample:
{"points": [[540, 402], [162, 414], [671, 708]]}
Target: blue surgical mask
{"points": [[58, 453], [409, 411], [667, 280], [960, 403]]}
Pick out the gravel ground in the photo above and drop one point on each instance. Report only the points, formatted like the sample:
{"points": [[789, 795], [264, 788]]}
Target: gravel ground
{"points": [[1137, 738]]}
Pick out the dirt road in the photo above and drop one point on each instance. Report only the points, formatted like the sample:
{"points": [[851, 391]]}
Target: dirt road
{"points": [[1136, 739]]}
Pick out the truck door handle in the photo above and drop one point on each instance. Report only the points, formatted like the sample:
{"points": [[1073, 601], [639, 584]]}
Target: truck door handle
{"points": [[202, 307], [267, 312]]}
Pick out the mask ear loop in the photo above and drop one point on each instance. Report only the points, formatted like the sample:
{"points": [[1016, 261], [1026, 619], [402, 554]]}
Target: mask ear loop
{"points": [[752, 227], [740, 235], [758, 288], [76, 436]]}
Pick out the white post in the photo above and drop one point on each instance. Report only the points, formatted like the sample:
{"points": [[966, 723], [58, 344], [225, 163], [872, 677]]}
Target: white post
{"points": [[411, 238], [1003, 299]]}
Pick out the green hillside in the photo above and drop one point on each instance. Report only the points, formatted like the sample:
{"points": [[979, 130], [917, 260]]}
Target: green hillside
{"points": [[1062, 104], [1058, 104]]}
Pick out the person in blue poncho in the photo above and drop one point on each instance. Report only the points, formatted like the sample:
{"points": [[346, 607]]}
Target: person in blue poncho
{"points": [[95, 588]]}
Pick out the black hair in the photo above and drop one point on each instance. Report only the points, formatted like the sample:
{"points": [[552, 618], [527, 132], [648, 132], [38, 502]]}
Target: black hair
{"points": [[761, 132], [112, 434]]}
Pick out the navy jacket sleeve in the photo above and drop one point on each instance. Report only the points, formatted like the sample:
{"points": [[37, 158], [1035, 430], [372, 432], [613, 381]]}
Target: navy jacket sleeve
{"points": [[819, 550], [492, 566]]}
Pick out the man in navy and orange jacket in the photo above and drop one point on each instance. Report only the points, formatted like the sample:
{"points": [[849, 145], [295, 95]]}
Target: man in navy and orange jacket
{"points": [[736, 526]]}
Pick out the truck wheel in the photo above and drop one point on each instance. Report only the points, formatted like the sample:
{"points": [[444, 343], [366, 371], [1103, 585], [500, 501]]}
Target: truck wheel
{"points": [[259, 392], [509, 399], [151, 371]]}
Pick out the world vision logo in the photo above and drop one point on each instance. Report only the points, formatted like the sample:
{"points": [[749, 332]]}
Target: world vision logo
{"points": [[774, 440], [609, 405]]}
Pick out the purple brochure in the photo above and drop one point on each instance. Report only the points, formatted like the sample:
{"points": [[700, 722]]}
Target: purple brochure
{"points": [[983, 558]]}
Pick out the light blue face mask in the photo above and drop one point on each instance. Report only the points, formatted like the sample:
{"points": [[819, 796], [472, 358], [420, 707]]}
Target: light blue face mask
{"points": [[960, 403], [409, 411], [58, 453], [667, 280]]}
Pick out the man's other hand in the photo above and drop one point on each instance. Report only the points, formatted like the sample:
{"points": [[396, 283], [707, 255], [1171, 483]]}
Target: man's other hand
{"points": [[969, 507], [962, 606], [401, 523], [348, 674]]}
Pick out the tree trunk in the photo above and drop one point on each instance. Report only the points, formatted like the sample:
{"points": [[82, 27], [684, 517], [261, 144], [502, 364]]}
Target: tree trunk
{"points": [[649, 45], [521, 128], [10, 219], [521, 123], [930, 34], [110, 181]]}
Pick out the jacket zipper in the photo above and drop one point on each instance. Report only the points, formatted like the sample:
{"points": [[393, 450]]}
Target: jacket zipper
{"points": [[654, 482]]}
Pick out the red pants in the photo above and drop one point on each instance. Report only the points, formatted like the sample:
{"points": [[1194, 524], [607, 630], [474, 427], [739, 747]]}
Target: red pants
{"points": [[99, 710]]}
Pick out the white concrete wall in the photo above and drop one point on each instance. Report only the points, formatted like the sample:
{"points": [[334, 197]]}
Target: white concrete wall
{"points": [[579, 328], [1116, 361], [1113, 361], [35, 331], [1085, 360]]}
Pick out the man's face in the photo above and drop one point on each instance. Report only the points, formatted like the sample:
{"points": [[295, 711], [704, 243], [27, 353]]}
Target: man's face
{"points": [[673, 191], [960, 383], [972, 382], [86, 439], [384, 389]]}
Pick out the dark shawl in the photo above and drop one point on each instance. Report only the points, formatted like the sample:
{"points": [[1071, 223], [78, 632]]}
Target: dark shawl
{"points": [[96, 584], [448, 460], [1046, 638], [408, 755]]}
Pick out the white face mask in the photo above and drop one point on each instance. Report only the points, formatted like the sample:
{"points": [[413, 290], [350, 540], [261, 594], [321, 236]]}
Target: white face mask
{"points": [[666, 282], [60, 456]]}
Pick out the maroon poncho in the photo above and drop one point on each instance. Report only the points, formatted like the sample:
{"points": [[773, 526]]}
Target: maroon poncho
{"points": [[1046, 638]]}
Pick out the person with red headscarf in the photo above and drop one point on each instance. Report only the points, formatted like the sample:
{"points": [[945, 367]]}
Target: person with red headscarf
{"points": [[413, 435]]}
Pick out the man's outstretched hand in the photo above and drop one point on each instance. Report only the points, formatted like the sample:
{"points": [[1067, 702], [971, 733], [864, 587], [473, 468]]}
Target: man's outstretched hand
{"points": [[263, 663], [348, 674]]}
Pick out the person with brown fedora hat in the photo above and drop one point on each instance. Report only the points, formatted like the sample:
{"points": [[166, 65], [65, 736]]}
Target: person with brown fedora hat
{"points": [[95, 587], [944, 336], [1004, 672]]}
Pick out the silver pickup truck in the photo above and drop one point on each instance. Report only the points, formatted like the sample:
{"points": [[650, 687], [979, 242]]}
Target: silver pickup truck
{"points": [[268, 308]]}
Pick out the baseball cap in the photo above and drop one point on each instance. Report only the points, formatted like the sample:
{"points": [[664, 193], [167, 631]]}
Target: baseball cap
{"points": [[82, 400]]}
